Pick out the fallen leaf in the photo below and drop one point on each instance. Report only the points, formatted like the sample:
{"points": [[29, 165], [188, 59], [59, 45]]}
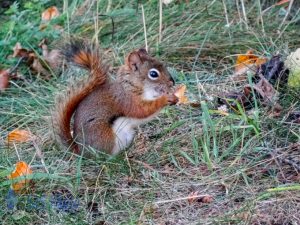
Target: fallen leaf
{"points": [[4, 79], [207, 199], [232, 99], [53, 57], [41, 67], [179, 93], [22, 169], [276, 110], [193, 196], [20, 136], [274, 70], [19, 51], [50, 13], [266, 90], [51, 60], [247, 63]]}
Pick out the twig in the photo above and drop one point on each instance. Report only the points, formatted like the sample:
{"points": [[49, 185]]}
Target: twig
{"points": [[112, 24], [287, 14], [147, 166], [40, 154], [16, 66], [179, 199], [160, 21], [261, 17], [226, 14], [145, 30], [244, 13]]}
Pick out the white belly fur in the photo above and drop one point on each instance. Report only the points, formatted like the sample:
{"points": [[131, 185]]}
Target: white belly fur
{"points": [[124, 129]]}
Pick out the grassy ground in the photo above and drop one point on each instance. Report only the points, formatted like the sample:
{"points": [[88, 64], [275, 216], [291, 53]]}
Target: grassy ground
{"points": [[236, 161]]}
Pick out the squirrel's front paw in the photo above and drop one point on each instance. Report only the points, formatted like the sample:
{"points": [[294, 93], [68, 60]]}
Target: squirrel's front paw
{"points": [[172, 99]]}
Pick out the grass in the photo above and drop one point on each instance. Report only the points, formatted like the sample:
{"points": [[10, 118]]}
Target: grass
{"points": [[236, 159]]}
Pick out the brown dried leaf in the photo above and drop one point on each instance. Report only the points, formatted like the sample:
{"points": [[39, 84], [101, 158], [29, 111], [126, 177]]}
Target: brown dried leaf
{"points": [[207, 199], [39, 68], [50, 13], [265, 90], [52, 58], [20, 136], [4, 79], [193, 196], [19, 51]]}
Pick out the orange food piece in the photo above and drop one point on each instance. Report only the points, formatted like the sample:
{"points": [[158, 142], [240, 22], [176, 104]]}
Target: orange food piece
{"points": [[22, 169], [50, 13], [179, 93], [19, 136], [248, 59]]}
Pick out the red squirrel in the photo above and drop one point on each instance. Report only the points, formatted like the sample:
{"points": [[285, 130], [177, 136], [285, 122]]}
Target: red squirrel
{"points": [[106, 112]]}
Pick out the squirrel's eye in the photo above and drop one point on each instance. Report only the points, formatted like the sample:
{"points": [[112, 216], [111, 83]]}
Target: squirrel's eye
{"points": [[153, 74]]}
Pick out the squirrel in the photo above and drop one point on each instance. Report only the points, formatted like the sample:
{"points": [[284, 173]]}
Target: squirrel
{"points": [[106, 112]]}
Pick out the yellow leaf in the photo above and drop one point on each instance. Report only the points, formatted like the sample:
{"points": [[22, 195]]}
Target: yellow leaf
{"points": [[50, 13], [22, 169], [248, 60], [19, 136]]}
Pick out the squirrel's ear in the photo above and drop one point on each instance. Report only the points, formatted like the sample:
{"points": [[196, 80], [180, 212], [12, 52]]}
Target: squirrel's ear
{"points": [[142, 51], [134, 61]]}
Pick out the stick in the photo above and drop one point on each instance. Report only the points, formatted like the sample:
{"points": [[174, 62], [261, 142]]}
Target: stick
{"points": [[145, 30], [180, 199], [160, 21], [244, 13], [226, 15], [287, 13]]}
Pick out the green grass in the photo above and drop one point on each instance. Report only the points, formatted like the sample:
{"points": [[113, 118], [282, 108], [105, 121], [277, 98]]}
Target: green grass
{"points": [[236, 159]]}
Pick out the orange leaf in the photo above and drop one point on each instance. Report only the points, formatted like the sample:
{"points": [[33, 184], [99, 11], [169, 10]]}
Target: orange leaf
{"points": [[179, 93], [50, 13], [4, 79], [19, 136], [248, 61], [22, 169], [19, 51]]}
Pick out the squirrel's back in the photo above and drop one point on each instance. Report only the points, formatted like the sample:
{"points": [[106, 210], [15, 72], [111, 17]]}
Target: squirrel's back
{"points": [[87, 57]]}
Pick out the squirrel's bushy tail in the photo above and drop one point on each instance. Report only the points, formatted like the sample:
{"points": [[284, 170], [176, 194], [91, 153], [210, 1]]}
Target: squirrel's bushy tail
{"points": [[87, 57]]}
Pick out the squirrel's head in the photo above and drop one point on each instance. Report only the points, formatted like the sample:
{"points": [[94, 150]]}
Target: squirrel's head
{"points": [[146, 73]]}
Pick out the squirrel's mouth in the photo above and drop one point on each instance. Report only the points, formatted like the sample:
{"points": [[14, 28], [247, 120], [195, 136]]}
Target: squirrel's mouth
{"points": [[160, 91]]}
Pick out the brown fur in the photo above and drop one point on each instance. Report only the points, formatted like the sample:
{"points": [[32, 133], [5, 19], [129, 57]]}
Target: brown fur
{"points": [[99, 102]]}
